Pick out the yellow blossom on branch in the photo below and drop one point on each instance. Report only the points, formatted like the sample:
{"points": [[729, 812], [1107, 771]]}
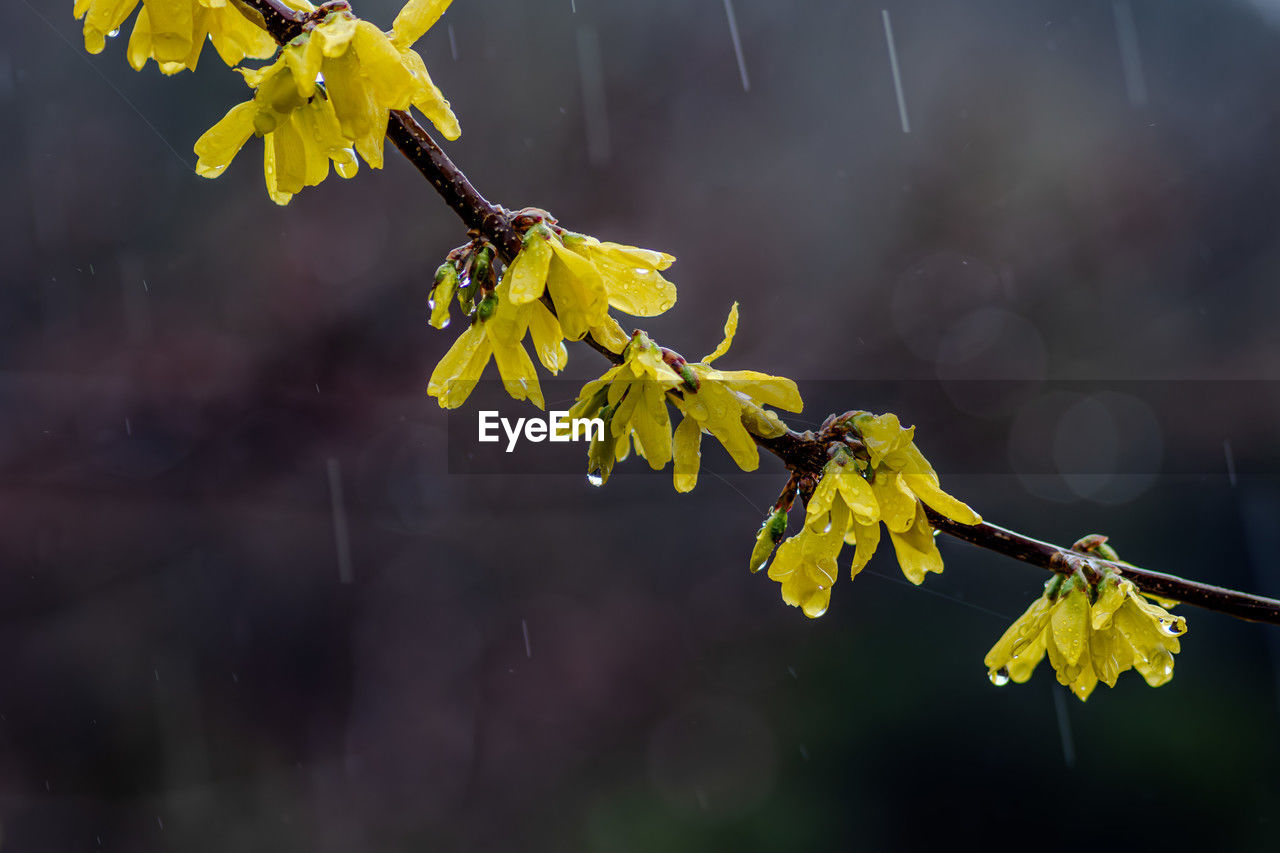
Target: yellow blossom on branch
{"points": [[585, 277], [728, 404], [881, 478], [631, 399], [500, 336], [343, 75], [1091, 632], [173, 32]]}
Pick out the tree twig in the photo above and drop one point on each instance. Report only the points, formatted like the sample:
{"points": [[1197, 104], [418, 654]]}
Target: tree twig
{"points": [[802, 453]]}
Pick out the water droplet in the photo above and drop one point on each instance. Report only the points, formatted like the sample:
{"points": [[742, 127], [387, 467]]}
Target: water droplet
{"points": [[1169, 628], [431, 303], [595, 479], [444, 323], [113, 33], [1000, 677]]}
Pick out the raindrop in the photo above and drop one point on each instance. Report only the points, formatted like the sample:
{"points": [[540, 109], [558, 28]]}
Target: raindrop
{"points": [[113, 33], [1169, 628], [445, 323], [1000, 677], [595, 479], [431, 303]]}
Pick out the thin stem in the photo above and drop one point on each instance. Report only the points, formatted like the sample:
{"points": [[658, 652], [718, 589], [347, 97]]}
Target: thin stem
{"points": [[804, 454]]}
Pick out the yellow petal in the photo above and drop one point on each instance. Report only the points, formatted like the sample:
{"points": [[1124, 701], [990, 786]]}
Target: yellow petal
{"points": [[1109, 654], [897, 503], [428, 98], [269, 173], [730, 329], [235, 37], [1070, 625], [392, 83], [458, 372], [548, 338], [916, 549], [335, 34], [519, 376], [171, 28], [290, 157], [218, 146], [818, 507], [140, 49], [925, 487], [304, 60], [652, 424], [352, 101], [1110, 598], [866, 539], [415, 19], [634, 288], [528, 272], [610, 335], [687, 449], [857, 494], [724, 421], [577, 291], [765, 389], [1024, 630], [882, 434], [1024, 661]]}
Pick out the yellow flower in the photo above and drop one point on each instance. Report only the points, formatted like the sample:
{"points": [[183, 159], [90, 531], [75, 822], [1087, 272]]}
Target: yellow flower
{"points": [[585, 277], [414, 20], [631, 398], [500, 337], [1091, 633], [725, 403], [300, 136], [805, 564], [893, 484], [306, 123], [173, 32]]}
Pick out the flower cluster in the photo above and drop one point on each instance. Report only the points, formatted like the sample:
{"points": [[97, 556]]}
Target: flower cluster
{"points": [[585, 278], [329, 91], [1091, 632], [498, 333], [578, 275], [173, 32], [632, 399], [880, 476]]}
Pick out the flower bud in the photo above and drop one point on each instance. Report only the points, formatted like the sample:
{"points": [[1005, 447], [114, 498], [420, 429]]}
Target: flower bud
{"points": [[771, 533], [487, 306], [446, 284]]}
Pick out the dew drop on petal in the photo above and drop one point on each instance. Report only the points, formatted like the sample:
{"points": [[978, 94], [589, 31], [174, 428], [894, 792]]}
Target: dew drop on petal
{"points": [[1000, 677], [113, 33], [595, 479]]}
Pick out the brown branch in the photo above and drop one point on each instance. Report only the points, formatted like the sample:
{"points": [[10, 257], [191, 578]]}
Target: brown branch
{"points": [[804, 454]]}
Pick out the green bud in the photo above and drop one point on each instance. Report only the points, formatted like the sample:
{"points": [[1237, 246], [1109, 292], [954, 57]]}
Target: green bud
{"points": [[486, 307], [481, 265], [771, 533], [442, 294], [691, 380], [600, 456]]}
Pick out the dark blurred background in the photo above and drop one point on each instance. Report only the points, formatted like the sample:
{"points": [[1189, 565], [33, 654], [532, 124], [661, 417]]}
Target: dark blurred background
{"points": [[249, 603]]}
